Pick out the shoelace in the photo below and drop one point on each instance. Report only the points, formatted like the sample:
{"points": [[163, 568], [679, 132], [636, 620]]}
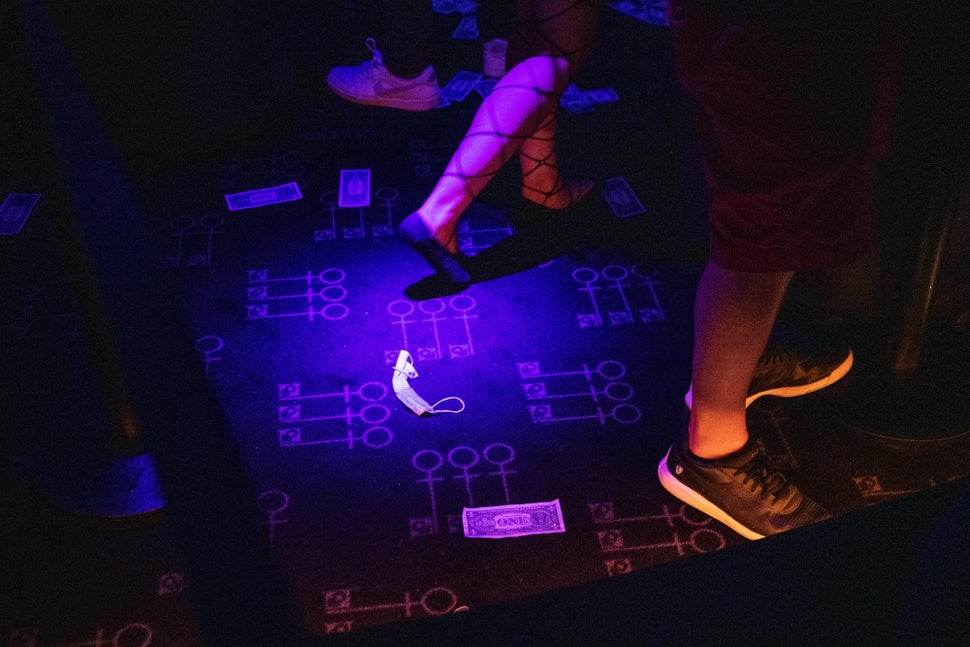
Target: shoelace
{"points": [[762, 474], [376, 60], [773, 354]]}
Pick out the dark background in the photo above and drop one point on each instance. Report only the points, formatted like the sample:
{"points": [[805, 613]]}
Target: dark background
{"points": [[132, 289]]}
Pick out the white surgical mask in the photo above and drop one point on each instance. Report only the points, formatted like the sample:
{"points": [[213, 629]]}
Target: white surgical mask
{"points": [[404, 371]]}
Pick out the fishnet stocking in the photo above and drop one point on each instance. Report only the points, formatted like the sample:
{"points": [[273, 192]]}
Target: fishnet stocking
{"points": [[551, 41]]}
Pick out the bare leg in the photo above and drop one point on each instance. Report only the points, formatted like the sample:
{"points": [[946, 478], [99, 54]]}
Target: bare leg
{"points": [[733, 317]]}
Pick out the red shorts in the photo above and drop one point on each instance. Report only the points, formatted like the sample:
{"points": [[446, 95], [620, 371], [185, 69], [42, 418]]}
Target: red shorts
{"points": [[792, 119]]}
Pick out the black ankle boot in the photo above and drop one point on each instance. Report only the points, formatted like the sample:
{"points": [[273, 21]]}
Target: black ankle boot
{"points": [[446, 264]]}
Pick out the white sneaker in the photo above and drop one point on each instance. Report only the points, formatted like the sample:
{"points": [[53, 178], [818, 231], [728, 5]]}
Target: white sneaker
{"points": [[370, 83]]}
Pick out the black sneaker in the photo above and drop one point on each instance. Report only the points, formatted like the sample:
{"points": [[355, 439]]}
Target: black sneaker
{"points": [[791, 366], [744, 491]]}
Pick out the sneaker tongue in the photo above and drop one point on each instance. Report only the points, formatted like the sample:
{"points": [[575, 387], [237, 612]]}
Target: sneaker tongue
{"points": [[757, 466], [741, 457]]}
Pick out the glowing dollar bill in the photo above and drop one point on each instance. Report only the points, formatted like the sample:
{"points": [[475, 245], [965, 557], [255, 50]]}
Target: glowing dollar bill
{"points": [[461, 85], [621, 198], [14, 211], [514, 520], [354, 188], [262, 197]]}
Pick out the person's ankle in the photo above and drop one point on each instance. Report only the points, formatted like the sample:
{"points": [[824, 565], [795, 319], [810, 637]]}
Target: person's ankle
{"points": [[712, 447], [442, 229], [563, 195]]}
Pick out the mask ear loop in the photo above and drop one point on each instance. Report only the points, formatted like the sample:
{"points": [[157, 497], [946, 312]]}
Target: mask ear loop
{"points": [[434, 406], [405, 366]]}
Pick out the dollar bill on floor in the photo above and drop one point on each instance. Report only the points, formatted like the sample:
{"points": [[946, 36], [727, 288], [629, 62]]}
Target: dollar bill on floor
{"points": [[514, 520], [14, 211], [649, 11], [485, 86], [621, 198], [461, 85], [601, 95], [467, 29], [574, 101], [354, 188], [263, 197]]}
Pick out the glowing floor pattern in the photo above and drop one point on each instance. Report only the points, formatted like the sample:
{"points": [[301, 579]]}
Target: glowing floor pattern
{"points": [[573, 371]]}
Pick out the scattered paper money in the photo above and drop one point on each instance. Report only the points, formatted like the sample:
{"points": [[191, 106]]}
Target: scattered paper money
{"points": [[602, 95], [621, 198], [650, 11], [14, 211], [515, 520], [574, 101], [467, 29], [461, 85], [446, 7], [262, 197], [443, 6], [485, 86], [354, 188]]}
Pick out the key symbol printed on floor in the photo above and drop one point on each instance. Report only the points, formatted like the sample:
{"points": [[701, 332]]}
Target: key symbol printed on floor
{"points": [[309, 416], [271, 503], [135, 634], [187, 241], [171, 583], [621, 536], [570, 389], [279, 297], [434, 329], [349, 222], [208, 346], [628, 294], [436, 601], [463, 459]]}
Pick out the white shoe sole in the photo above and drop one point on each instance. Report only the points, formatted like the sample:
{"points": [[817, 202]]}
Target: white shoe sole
{"points": [[411, 105], [791, 391], [673, 485]]}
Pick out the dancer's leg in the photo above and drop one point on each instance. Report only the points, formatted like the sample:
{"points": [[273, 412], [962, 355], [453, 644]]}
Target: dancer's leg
{"points": [[512, 112], [542, 181], [518, 112], [564, 28]]}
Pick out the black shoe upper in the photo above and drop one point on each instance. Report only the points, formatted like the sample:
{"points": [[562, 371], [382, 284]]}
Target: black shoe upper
{"points": [[744, 487]]}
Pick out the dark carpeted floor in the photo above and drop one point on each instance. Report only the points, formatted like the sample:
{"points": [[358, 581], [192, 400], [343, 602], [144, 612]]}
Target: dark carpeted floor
{"points": [[570, 353]]}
